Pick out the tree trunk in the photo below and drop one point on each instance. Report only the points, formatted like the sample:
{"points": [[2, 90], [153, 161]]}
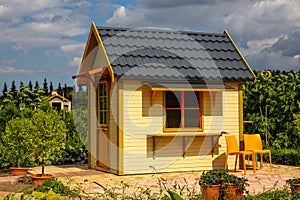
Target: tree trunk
{"points": [[19, 158], [43, 167]]}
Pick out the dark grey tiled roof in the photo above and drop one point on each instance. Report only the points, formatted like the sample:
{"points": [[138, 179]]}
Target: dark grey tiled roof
{"points": [[156, 54]]}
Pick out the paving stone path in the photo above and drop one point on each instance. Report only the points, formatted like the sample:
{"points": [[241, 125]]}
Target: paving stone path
{"points": [[261, 181]]}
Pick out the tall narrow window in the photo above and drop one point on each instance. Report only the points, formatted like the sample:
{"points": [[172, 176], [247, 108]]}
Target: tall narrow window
{"points": [[102, 103], [183, 110]]}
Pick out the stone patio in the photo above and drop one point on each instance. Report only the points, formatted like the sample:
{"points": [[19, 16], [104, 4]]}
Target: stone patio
{"points": [[261, 181]]}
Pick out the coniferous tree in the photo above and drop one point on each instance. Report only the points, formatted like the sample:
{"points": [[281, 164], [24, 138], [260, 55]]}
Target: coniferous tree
{"points": [[4, 90], [21, 86], [13, 87], [51, 87], [59, 89], [36, 87], [65, 90], [45, 86], [30, 86]]}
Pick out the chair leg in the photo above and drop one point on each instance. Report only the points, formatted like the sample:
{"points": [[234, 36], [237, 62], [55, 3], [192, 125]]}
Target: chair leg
{"points": [[236, 157], [261, 160], [254, 162], [226, 162], [244, 163], [270, 157]]}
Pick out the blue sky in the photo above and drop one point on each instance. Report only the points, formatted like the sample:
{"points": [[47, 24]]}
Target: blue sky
{"points": [[46, 38]]}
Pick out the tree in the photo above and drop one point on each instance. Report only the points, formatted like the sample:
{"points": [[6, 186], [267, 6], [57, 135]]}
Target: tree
{"points": [[18, 138], [36, 87], [45, 86], [59, 89], [30, 86], [13, 87], [4, 90], [9, 112], [49, 136], [51, 87]]}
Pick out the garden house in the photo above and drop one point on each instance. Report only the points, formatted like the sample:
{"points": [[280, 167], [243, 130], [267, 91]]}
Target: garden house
{"points": [[159, 100], [59, 102]]}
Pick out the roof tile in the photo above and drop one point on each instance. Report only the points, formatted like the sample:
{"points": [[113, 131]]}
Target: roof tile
{"points": [[165, 54]]}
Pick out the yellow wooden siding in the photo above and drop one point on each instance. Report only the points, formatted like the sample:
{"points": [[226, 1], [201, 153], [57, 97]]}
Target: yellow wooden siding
{"points": [[138, 155], [92, 126]]}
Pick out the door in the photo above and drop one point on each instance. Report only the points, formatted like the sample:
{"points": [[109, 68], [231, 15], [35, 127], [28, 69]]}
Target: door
{"points": [[102, 133]]}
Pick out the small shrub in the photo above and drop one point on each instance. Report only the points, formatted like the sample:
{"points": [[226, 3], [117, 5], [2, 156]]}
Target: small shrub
{"points": [[270, 195], [56, 186], [286, 156]]}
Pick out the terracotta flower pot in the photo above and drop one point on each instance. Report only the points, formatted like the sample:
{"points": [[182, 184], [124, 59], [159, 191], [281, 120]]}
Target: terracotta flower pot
{"points": [[211, 192], [295, 188], [38, 179], [18, 170], [232, 192]]}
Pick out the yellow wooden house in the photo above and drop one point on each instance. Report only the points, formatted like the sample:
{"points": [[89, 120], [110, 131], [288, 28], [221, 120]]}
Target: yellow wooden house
{"points": [[59, 102], [159, 99]]}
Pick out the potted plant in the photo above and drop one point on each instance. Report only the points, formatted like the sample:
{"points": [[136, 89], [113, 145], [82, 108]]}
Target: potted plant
{"points": [[19, 141], [233, 187], [49, 139], [210, 182], [294, 185]]}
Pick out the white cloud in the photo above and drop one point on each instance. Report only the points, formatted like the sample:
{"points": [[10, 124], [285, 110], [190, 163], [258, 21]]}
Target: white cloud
{"points": [[13, 11], [255, 26], [75, 62], [73, 48], [14, 71], [33, 24], [8, 62], [124, 17], [257, 46]]}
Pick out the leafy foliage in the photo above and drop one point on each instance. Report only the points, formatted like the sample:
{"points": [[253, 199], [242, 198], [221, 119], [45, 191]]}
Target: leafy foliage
{"points": [[56, 186], [18, 138], [270, 103], [49, 136], [211, 177], [26, 101], [285, 156]]}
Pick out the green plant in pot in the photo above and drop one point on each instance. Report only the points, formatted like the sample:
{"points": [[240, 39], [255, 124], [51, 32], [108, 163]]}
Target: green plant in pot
{"points": [[49, 139], [294, 184], [210, 182], [18, 140], [233, 187]]}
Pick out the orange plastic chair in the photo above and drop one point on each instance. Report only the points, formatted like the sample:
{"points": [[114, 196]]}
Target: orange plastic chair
{"points": [[253, 143], [233, 149]]}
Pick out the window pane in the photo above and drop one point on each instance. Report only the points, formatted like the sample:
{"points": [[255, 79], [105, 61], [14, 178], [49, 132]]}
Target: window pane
{"points": [[191, 118], [102, 103], [173, 118], [191, 99], [102, 89], [102, 120], [172, 99]]}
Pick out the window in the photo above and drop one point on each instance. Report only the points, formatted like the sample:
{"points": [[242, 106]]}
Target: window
{"points": [[183, 110], [102, 104]]}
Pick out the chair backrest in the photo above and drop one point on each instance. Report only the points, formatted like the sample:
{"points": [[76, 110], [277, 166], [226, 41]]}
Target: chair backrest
{"points": [[231, 143], [252, 142]]}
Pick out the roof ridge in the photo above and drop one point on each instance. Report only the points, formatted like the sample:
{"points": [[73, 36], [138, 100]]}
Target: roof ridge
{"points": [[160, 29]]}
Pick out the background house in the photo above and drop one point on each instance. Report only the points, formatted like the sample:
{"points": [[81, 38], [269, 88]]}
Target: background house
{"points": [[159, 99], [59, 102]]}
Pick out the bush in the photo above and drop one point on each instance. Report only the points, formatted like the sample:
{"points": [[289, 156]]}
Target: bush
{"points": [[74, 153], [286, 156], [56, 186], [271, 195]]}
